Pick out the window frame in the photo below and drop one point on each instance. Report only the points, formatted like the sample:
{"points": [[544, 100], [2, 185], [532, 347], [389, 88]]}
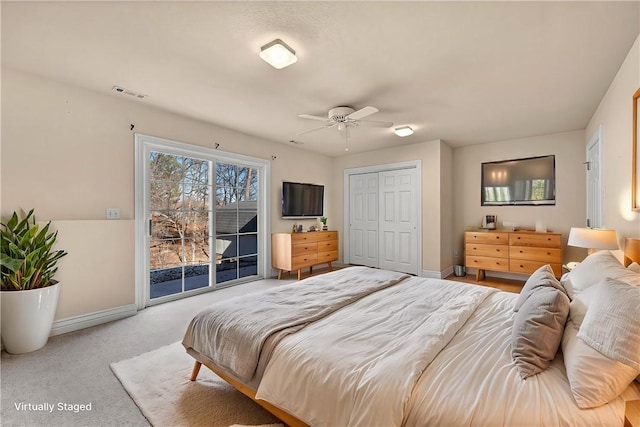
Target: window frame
{"points": [[144, 144]]}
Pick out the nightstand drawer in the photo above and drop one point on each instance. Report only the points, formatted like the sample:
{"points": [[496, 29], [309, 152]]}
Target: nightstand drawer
{"points": [[487, 263]]}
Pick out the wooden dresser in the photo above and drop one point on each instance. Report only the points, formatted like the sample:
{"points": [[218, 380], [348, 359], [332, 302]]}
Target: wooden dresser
{"points": [[294, 251], [512, 251]]}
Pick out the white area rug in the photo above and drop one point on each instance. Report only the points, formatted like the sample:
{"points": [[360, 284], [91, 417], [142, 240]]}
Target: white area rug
{"points": [[158, 382]]}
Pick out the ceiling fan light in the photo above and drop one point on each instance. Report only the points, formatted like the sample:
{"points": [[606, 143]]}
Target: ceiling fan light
{"points": [[403, 131], [278, 54]]}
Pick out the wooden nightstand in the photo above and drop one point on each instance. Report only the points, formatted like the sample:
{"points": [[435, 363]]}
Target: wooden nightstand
{"points": [[632, 414]]}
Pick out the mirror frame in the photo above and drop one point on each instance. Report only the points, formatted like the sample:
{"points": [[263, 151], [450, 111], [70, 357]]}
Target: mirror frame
{"points": [[635, 156]]}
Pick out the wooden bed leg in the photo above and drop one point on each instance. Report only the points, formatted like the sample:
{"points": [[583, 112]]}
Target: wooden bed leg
{"points": [[196, 369]]}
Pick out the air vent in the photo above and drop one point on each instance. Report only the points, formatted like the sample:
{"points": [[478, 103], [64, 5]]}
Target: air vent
{"points": [[124, 91]]}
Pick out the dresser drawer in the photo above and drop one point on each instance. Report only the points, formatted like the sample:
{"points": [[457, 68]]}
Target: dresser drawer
{"points": [[528, 267], [490, 238], [546, 255], [487, 263], [300, 261], [326, 235], [327, 256], [327, 245], [303, 238], [545, 240], [304, 248], [481, 249]]}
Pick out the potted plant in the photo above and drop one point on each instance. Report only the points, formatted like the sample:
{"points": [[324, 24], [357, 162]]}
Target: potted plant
{"points": [[29, 293], [323, 220]]}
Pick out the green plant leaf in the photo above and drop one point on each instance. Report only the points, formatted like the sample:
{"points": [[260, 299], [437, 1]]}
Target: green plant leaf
{"points": [[28, 260]]}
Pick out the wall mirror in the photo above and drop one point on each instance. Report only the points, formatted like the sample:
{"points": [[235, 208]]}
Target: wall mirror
{"points": [[635, 171]]}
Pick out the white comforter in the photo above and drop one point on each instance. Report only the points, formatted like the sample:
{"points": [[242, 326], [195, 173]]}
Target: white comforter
{"points": [[359, 365], [411, 355], [239, 334]]}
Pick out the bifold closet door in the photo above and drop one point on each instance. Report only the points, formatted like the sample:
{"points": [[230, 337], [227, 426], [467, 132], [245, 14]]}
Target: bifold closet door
{"points": [[398, 222], [363, 219]]}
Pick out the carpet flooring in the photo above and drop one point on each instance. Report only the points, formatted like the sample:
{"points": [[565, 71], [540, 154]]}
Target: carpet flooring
{"points": [[158, 382], [74, 368]]}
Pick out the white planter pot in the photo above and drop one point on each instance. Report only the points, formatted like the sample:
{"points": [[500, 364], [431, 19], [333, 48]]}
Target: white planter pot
{"points": [[27, 318]]}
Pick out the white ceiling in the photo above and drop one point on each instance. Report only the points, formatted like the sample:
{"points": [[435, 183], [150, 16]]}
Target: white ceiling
{"points": [[463, 72]]}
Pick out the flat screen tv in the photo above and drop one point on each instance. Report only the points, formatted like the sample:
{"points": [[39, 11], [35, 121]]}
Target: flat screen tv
{"points": [[302, 200], [530, 181]]}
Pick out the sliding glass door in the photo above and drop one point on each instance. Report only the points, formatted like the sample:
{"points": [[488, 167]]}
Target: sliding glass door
{"points": [[200, 217]]}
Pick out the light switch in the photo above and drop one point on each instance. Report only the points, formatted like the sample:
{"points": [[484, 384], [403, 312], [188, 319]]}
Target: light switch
{"points": [[113, 213]]}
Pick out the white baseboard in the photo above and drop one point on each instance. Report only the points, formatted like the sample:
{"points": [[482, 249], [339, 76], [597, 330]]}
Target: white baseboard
{"points": [[82, 321], [434, 274]]}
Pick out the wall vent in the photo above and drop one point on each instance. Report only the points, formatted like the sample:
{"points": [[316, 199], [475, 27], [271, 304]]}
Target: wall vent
{"points": [[124, 91]]}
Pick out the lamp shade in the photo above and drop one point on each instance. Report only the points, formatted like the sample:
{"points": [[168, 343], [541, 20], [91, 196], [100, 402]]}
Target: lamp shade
{"points": [[593, 238]]}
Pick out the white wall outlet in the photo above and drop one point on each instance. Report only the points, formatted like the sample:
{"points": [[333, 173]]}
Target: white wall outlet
{"points": [[113, 213]]}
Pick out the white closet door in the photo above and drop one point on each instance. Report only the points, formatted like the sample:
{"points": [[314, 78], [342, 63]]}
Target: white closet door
{"points": [[363, 219], [398, 223]]}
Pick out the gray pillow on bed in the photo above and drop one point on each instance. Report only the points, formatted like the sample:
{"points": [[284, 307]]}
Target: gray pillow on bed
{"points": [[537, 330], [543, 276]]}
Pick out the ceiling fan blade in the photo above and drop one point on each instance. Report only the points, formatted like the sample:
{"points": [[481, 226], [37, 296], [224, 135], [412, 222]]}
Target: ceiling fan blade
{"points": [[363, 112], [373, 124], [310, 117], [313, 130]]}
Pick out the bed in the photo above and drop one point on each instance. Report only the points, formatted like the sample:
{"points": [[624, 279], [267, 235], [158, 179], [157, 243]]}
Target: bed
{"points": [[368, 347]]}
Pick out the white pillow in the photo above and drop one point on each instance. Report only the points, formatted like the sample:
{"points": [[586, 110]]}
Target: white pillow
{"points": [[593, 269], [635, 267], [594, 378], [612, 322]]}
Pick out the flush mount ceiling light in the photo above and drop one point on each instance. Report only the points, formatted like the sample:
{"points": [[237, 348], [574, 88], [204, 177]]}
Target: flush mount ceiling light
{"points": [[278, 54], [403, 131]]}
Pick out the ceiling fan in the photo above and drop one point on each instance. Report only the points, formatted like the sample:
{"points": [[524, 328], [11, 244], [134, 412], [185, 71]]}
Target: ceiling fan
{"points": [[345, 117]]}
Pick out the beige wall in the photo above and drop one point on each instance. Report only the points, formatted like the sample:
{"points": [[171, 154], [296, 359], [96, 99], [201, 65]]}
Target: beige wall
{"points": [[429, 154], [570, 206], [615, 115], [69, 153], [447, 197]]}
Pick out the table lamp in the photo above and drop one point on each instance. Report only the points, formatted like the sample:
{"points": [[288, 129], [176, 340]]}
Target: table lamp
{"points": [[593, 239]]}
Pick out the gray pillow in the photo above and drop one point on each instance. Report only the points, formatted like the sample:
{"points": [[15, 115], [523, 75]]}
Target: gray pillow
{"points": [[537, 330], [542, 277]]}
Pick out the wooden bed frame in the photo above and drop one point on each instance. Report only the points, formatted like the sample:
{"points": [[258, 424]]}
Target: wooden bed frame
{"points": [[283, 416], [631, 254]]}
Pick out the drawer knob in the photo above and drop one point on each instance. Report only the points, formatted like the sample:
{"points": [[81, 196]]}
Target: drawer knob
{"points": [[521, 266]]}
